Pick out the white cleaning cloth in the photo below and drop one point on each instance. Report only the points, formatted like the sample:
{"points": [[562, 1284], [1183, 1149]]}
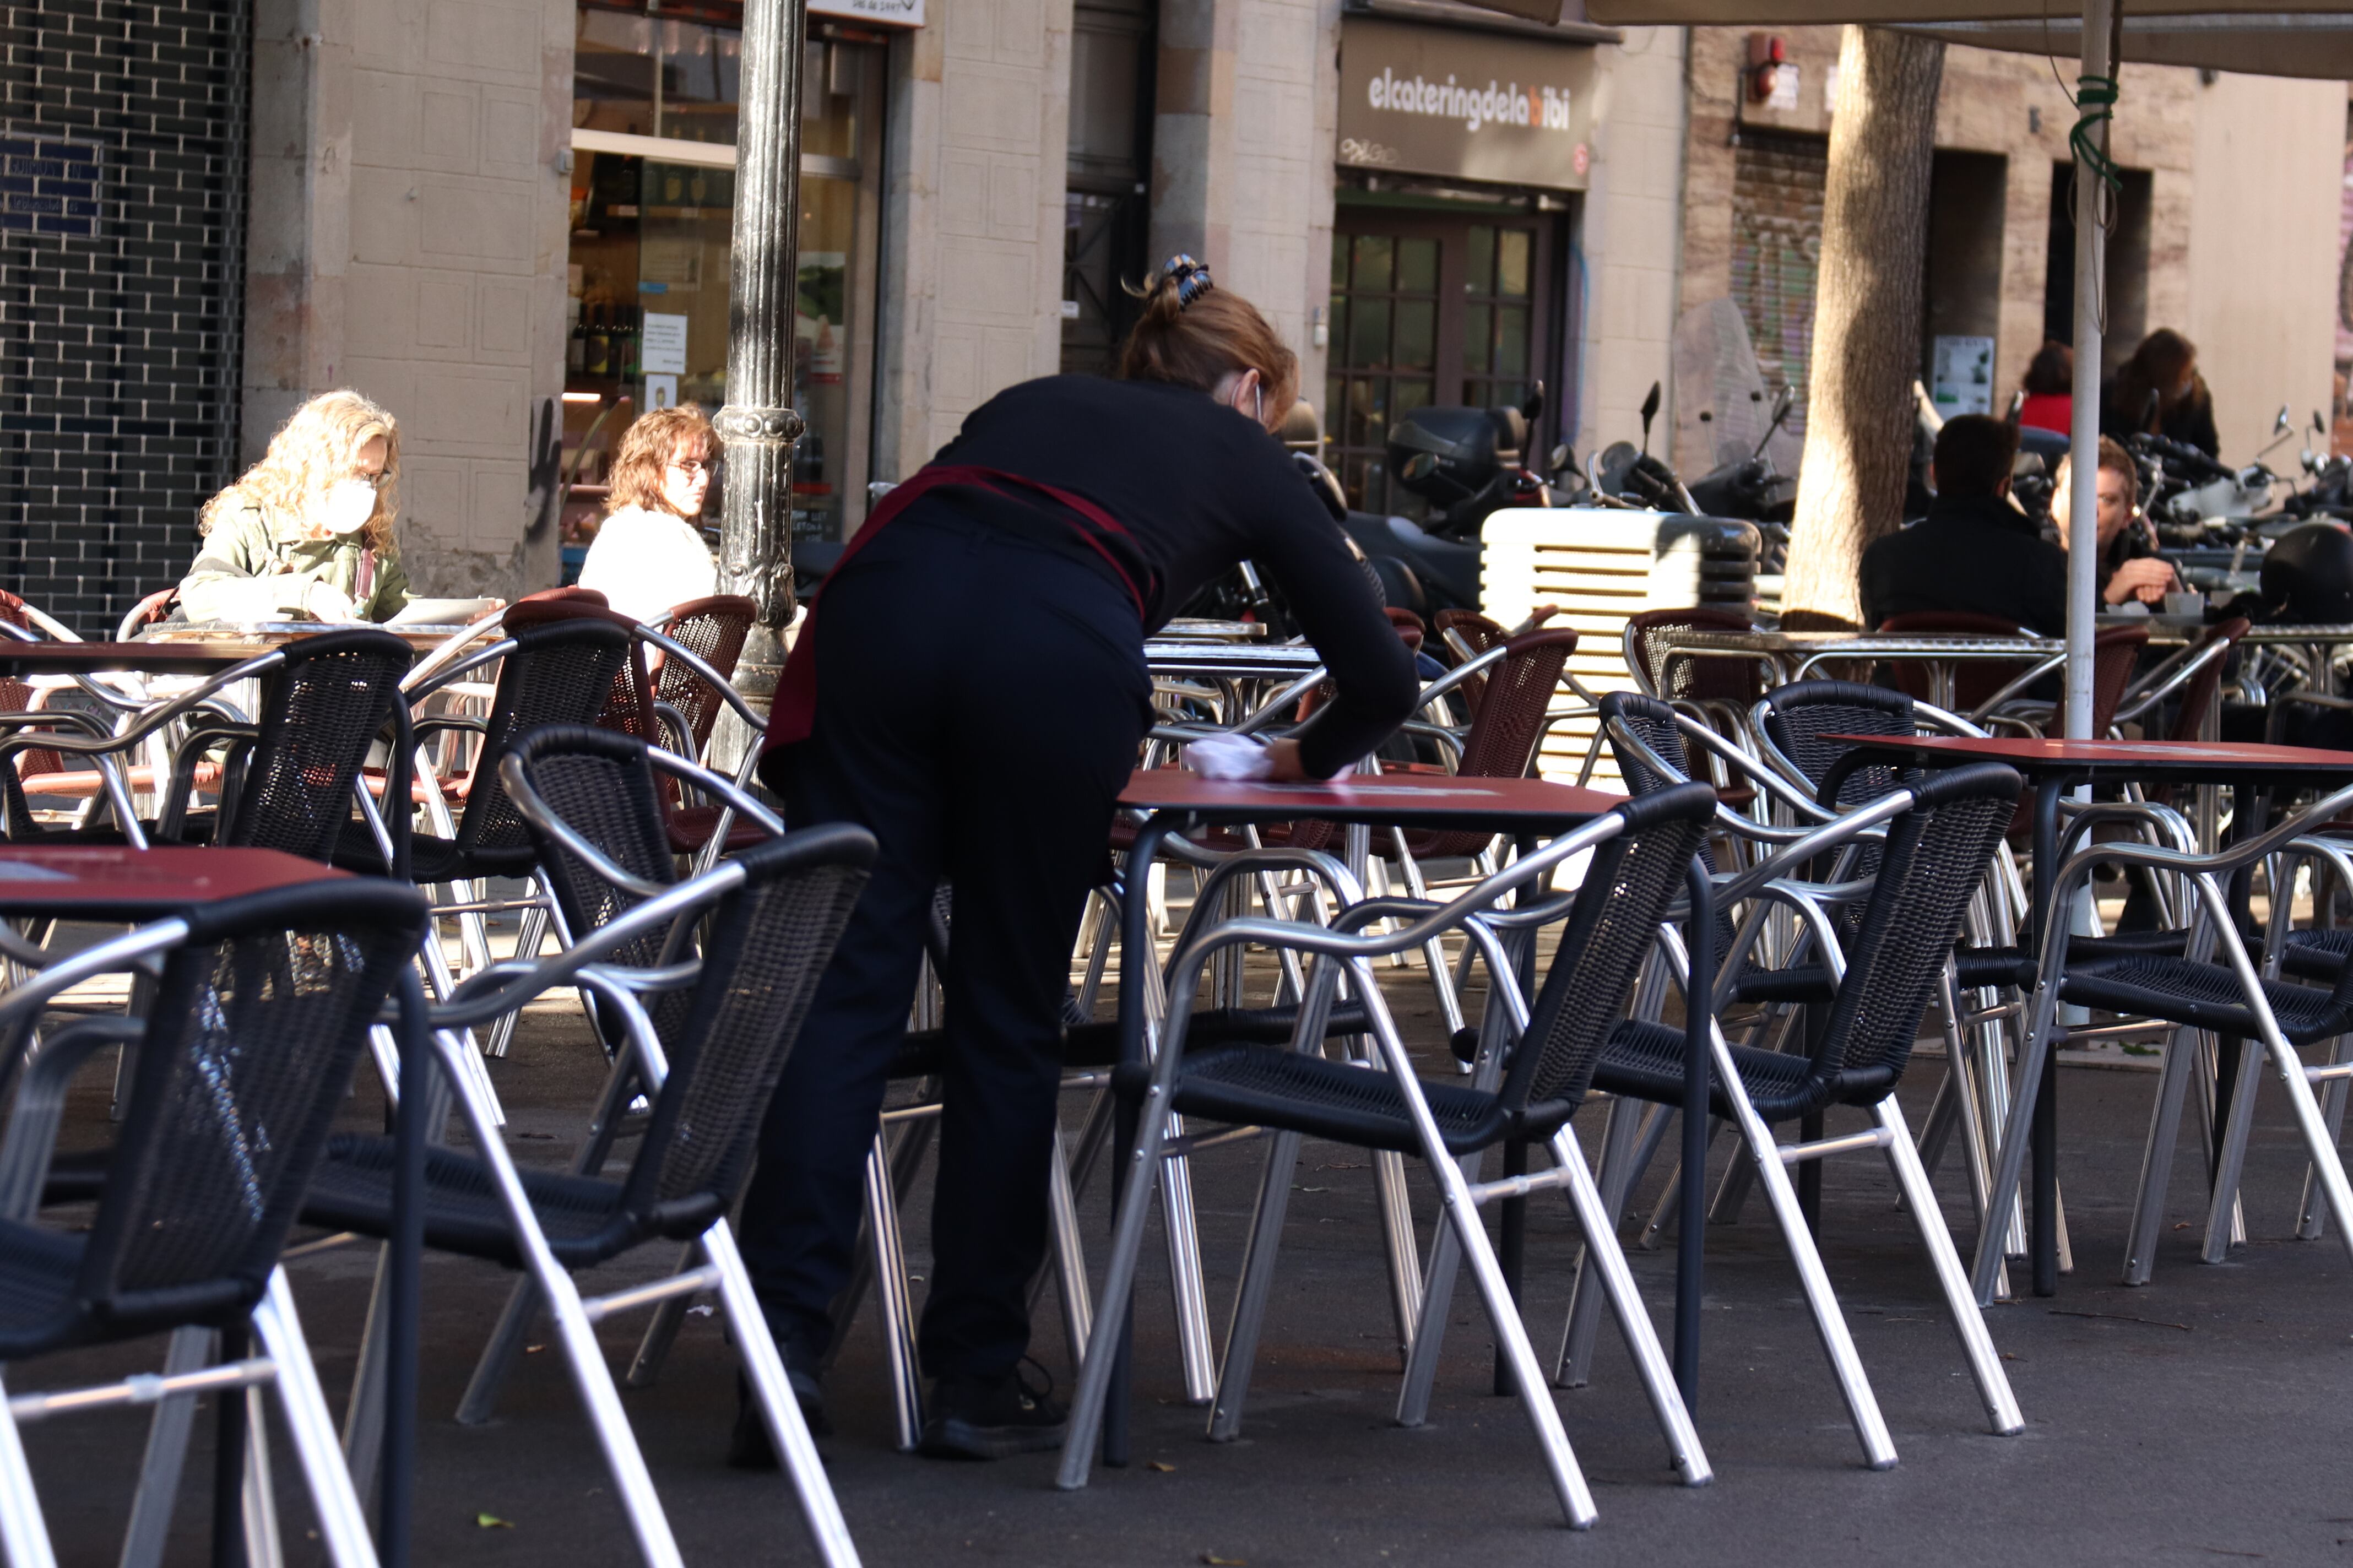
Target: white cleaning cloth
{"points": [[1230, 757]]}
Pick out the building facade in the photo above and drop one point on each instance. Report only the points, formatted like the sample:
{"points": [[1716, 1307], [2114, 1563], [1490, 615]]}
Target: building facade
{"points": [[509, 221], [2217, 169]]}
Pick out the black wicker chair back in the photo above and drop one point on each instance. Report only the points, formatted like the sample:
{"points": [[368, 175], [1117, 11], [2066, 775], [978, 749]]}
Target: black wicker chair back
{"points": [[1632, 880], [1804, 716], [259, 1018], [767, 946], [322, 713], [1936, 854], [601, 785], [560, 672]]}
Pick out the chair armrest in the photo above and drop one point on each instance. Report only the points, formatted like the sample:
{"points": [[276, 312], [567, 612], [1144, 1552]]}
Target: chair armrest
{"points": [[40, 1107]]}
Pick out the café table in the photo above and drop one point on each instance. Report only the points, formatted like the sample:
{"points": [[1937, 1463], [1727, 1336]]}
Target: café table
{"points": [[1180, 801], [134, 886], [2053, 767], [1796, 656], [31, 659]]}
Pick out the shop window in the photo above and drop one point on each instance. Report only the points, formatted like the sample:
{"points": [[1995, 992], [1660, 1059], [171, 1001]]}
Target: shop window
{"points": [[1106, 201], [653, 197]]}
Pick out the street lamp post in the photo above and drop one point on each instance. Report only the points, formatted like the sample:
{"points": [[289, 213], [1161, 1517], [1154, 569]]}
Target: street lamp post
{"points": [[758, 427]]}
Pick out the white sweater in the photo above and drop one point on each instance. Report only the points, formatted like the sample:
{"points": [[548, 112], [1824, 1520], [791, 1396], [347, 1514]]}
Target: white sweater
{"points": [[646, 562]]}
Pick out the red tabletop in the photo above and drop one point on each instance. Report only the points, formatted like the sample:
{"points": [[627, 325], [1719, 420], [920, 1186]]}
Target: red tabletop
{"points": [[1391, 800], [141, 884], [96, 658], [2176, 761]]}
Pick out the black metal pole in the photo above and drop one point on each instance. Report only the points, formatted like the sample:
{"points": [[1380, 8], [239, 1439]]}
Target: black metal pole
{"points": [[405, 1293], [1699, 1010], [758, 427]]}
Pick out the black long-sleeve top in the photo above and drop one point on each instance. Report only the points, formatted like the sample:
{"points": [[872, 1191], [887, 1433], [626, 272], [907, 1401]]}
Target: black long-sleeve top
{"points": [[1973, 553], [1197, 488]]}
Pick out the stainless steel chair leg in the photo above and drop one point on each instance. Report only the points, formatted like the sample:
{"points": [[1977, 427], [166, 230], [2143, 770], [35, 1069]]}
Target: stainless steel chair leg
{"points": [[2223, 1202], [661, 1331], [2015, 1136], [168, 1453], [764, 1368], [502, 1354], [1838, 1344], [1968, 1319], [257, 1498], [894, 1298], [1069, 1261], [2310, 1206], [1257, 1284], [1630, 1132], [1594, 1216], [24, 1534], [343, 1526], [2182, 1056], [1097, 1371], [1430, 1334], [1188, 1291], [363, 1435], [531, 935]]}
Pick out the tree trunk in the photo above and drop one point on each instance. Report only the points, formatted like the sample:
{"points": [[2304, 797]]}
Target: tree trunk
{"points": [[1859, 405]]}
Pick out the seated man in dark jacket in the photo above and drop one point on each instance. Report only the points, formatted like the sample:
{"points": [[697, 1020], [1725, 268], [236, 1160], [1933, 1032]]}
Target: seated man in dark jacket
{"points": [[1974, 552]]}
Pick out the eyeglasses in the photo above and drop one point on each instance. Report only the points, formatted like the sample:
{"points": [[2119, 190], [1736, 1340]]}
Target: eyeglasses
{"points": [[380, 479], [691, 467]]}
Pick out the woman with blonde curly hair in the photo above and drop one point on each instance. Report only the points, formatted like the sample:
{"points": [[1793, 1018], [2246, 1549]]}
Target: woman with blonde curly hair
{"points": [[306, 532], [650, 555]]}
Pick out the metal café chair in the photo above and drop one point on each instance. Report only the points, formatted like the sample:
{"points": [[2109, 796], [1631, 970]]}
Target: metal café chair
{"points": [[262, 1012], [1942, 831], [552, 669], [767, 924], [1641, 855], [2195, 992]]}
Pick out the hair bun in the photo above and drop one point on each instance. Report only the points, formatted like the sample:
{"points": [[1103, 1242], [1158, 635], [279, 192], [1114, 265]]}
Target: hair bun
{"points": [[1189, 278]]}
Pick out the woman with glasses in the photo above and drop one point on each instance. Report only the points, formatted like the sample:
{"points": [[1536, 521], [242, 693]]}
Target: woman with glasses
{"points": [[306, 533], [650, 555]]}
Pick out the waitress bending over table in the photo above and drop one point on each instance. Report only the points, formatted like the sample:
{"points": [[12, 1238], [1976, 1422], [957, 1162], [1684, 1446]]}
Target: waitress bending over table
{"points": [[971, 687]]}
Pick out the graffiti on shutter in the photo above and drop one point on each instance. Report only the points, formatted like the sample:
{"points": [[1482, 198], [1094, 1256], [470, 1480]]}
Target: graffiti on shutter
{"points": [[1776, 244]]}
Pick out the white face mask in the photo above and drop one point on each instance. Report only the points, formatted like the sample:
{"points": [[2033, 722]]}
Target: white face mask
{"points": [[349, 506]]}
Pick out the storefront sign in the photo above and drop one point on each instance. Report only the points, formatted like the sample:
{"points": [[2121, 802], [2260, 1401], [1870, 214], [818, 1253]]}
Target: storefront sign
{"points": [[884, 13], [1423, 100]]}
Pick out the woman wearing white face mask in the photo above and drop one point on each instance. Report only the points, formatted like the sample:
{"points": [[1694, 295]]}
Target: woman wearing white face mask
{"points": [[648, 556], [306, 532]]}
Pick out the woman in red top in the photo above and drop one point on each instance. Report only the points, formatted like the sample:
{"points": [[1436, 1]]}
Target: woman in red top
{"points": [[2050, 388]]}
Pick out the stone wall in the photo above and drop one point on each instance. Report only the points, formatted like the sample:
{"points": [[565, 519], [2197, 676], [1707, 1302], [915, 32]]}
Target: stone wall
{"points": [[1631, 241], [2225, 161], [972, 278], [409, 242]]}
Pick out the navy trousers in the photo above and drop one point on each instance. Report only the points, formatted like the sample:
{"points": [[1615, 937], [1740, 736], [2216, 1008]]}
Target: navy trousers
{"points": [[979, 703]]}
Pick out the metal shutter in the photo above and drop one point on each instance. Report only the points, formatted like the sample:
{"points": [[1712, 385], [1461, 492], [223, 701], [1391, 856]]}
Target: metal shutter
{"points": [[1777, 245]]}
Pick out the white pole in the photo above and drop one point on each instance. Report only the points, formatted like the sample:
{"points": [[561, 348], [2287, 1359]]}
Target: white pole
{"points": [[2084, 500]]}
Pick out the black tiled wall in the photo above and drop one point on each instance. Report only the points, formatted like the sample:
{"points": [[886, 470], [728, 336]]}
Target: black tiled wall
{"points": [[120, 307]]}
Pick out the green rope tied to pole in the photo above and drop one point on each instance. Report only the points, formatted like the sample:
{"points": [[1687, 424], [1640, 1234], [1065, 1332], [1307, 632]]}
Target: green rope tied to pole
{"points": [[2095, 98]]}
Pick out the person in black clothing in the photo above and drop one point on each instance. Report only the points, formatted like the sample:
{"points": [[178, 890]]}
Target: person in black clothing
{"points": [[1974, 552], [971, 686], [2159, 392]]}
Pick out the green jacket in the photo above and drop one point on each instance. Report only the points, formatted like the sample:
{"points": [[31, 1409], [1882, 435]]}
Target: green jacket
{"points": [[255, 565]]}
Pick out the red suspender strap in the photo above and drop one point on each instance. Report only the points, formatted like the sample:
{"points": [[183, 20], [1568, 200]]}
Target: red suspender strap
{"points": [[795, 710]]}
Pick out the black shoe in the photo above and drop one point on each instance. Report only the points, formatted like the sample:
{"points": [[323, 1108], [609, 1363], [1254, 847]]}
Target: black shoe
{"points": [[748, 1447], [991, 1418]]}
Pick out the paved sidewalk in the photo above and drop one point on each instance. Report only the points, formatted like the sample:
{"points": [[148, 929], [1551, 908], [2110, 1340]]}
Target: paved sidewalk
{"points": [[2202, 1420]]}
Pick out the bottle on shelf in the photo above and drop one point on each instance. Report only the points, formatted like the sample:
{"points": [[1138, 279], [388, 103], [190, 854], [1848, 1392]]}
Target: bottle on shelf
{"points": [[600, 343]]}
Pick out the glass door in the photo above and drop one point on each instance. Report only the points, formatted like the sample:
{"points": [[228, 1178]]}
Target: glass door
{"points": [[1429, 309]]}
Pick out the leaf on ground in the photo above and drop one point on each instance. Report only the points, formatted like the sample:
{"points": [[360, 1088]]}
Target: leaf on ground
{"points": [[1163, 1466], [1214, 1561], [492, 1521]]}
